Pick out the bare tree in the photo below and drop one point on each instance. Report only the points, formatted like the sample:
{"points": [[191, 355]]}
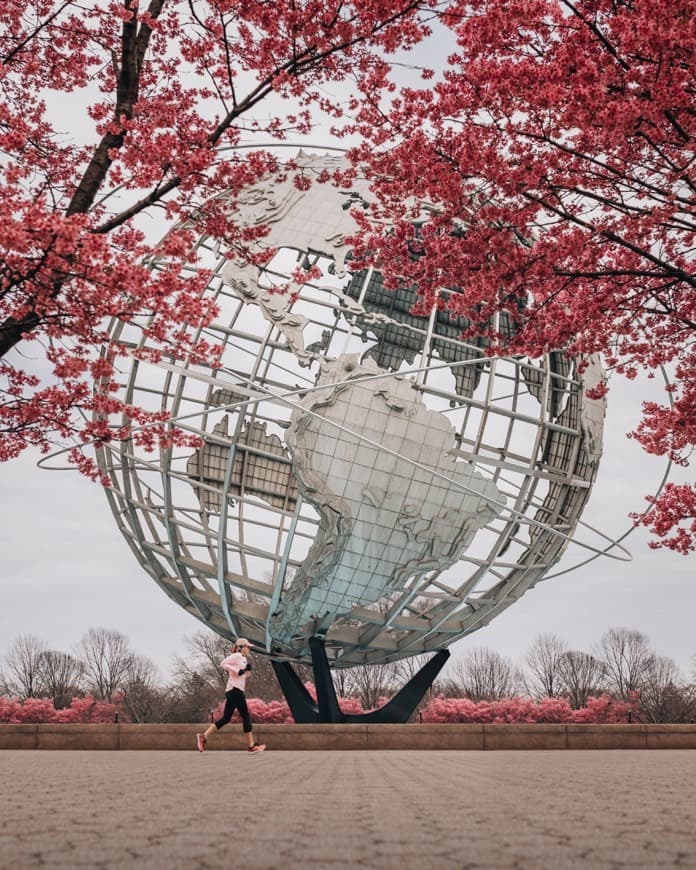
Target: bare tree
{"points": [[205, 652], [198, 682], [663, 696], [484, 675], [61, 677], [627, 658], [23, 664], [368, 683], [191, 697], [341, 681], [142, 700], [582, 677], [106, 656], [543, 660], [263, 682], [406, 669]]}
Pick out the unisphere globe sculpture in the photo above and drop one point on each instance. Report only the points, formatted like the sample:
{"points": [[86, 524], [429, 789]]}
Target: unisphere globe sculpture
{"points": [[365, 476]]}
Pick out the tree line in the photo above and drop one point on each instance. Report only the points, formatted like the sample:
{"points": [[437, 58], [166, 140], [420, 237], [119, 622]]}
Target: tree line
{"points": [[621, 666]]}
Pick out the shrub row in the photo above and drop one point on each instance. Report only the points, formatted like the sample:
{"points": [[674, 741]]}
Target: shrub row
{"points": [[40, 710], [603, 709]]}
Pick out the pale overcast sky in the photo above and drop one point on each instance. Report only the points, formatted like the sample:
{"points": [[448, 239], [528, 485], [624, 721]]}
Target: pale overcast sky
{"points": [[66, 568]]}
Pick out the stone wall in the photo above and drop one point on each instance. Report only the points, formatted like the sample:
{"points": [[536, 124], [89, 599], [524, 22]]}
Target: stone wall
{"points": [[309, 737]]}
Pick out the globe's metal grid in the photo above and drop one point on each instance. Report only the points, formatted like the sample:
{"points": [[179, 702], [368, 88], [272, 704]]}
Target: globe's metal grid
{"points": [[222, 528]]}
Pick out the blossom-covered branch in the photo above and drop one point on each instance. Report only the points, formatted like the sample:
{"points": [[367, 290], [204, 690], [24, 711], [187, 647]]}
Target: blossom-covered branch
{"points": [[557, 151], [115, 113]]}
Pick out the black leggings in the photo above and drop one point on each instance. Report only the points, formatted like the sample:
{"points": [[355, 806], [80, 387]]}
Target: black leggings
{"points": [[235, 700]]}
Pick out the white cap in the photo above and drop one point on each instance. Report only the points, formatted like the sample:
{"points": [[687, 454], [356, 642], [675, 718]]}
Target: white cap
{"points": [[240, 642]]}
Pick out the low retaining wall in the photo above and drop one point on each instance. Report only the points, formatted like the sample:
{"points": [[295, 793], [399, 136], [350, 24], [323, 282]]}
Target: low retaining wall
{"points": [[310, 737]]}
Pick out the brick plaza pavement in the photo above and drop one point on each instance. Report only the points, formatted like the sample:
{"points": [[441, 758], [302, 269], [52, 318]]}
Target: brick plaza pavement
{"points": [[360, 809]]}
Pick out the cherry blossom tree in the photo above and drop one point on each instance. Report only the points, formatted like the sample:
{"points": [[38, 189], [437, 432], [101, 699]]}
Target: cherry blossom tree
{"points": [[370, 684], [556, 150], [117, 110], [582, 677]]}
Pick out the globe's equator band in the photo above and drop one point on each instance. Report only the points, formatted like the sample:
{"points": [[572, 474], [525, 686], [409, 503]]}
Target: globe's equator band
{"points": [[286, 398]]}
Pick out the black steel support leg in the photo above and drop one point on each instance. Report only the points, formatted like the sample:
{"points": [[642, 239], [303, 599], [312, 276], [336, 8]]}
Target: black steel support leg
{"points": [[302, 706], [329, 710], [326, 709], [400, 708]]}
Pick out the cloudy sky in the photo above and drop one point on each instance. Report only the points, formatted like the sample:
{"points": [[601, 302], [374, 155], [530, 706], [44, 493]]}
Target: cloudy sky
{"points": [[66, 568]]}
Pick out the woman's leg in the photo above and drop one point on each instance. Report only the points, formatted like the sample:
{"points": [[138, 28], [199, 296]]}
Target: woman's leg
{"points": [[246, 718], [234, 700], [225, 718], [246, 722]]}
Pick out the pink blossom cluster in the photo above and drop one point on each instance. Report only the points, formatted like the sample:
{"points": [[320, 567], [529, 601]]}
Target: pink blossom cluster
{"points": [[38, 710], [554, 149], [601, 710]]}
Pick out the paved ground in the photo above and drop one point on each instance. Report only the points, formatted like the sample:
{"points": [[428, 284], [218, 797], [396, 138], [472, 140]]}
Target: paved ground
{"points": [[382, 810]]}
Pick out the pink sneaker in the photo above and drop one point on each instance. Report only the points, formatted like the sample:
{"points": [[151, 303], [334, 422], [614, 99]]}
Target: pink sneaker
{"points": [[257, 747], [200, 742]]}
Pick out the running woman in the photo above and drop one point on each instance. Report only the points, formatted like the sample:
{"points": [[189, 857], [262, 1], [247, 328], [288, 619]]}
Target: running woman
{"points": [[237, 667]]}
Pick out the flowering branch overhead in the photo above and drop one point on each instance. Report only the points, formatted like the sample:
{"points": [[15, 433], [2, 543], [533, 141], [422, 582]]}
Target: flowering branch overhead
{"points": [[161, 87], [561, 137]]}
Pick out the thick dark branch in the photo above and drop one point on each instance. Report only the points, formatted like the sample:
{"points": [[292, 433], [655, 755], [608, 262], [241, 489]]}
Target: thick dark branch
{"points": [[671, 117], [616, 205], [228, 60], [133, 49], [610, 273], [609, 171], [154, 10], [309, 59], [153, 197], [673, 315], [12, 331], [661, 152]]}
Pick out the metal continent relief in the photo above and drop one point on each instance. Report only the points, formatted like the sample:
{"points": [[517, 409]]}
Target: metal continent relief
{"points": [[260, 466], [393, 503]]}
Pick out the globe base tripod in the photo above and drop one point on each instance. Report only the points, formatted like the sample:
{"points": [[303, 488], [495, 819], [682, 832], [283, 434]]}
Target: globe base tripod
{"points": [[325, 709]]}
